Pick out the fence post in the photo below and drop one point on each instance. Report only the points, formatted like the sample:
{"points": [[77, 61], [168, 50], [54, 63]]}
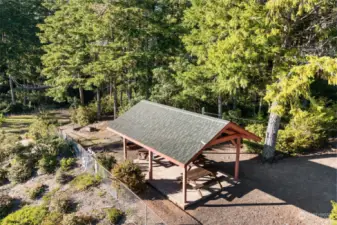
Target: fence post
{"points": [[203, 110], [145, 214]]}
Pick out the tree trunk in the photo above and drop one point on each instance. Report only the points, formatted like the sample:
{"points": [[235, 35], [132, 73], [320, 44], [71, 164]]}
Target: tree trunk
{"points": [[260, 106], [80, 89], [12, 90], [219, 106], [98, 104], [129, 92], [121, 97], [115, 99], [271, 135]]}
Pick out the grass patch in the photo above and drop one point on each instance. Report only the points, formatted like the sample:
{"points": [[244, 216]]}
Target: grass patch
{"points": [[37, 191], [114, 215], [85, 181], [30, 215]]}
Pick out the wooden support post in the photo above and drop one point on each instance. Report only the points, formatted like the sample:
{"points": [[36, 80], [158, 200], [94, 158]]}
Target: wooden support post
{"points": [[124, 149], [237, 160], [150, 165], [184, 185]]}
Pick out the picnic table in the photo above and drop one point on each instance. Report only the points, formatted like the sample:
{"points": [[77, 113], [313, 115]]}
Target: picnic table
{"points": [[194, 174]]}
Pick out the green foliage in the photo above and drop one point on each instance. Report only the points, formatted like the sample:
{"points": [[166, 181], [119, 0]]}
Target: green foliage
{"points": [[62, 203], [85, 181], [130, 174], [259, 130], [8, 145], [41, 128], [55, 146], [108, 161], [28, 215], [37, 191], [114, 215], [2, 119], [3, 176], [306, 130], [333, 214], [107, 104], [48, 196], [48, 163], [53, 218], [6, 205], [62, 177], [21, 169], [83, 115], [67, 163], [73, 219]]}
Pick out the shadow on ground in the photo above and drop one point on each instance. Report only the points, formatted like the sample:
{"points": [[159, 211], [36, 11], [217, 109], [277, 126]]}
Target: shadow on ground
{"points": [[298, 181]]}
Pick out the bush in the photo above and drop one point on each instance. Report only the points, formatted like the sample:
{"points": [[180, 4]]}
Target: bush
{"points": [[62, 203], [6, 205], [108, 161], [21, 170], [130, 174], [37, 191], [83, 115], [305, 130], [62, 177], [107, 104], [114, 215], [48, 163], [28, 215], [41, 128], [68, 164], [8, 145], [3, 177], [47, 197], [53, 218], [84, 181], [333, 214], [73, 219], [2, 119], [259, 130], [55, 145]]}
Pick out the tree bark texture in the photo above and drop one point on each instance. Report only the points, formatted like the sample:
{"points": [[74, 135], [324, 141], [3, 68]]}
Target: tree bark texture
{"points": [[115, 99], [12, 90], [271, 135], [99, 108], [80, 89], [219, 106]]}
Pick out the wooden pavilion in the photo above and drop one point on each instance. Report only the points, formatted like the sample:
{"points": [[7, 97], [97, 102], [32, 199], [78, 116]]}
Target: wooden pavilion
{"points": [[177, 135]]}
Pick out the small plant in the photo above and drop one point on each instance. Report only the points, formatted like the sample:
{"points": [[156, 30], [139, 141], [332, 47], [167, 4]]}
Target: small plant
{"points": [[41, 128], [67, 164], [2, 119], [3, 177], [21, 170], [37, 191], [48, 163], [32, 215], [333, 214], [6, 205], [85, 180], [114, 215], [62, 177], [73, 219], [130, 174], [47, 197], [53, 218], [108, 161], [62, 203]]}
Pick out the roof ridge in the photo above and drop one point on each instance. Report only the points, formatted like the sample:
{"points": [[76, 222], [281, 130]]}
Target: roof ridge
{"points": [[186, 112]]}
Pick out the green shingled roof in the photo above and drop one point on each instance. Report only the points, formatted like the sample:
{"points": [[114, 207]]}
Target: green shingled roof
{"points": [[176, 133]]}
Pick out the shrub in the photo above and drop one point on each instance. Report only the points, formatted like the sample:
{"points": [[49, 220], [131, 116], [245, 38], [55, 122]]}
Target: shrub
{"points": [[107, 104], [114, 215], [62, 203], [83, 115], [67, 164], [2, 119], [305, 130], [6, 205], [53, 218], [48, 163], [55, 145], [333, 214], [130, 174], [37, 191], [108, 161], [259, 130], [3, 177], [41, 128], [73, 219], [21, 170], [85, 180], [62, 177], [8, 145], [47, 197], [28, 215]]}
